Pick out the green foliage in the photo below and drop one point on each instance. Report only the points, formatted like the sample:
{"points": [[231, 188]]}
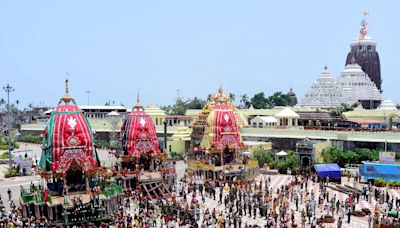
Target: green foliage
{"points": [[4, 143], [4, 155], [290, 163], [30, 139], [244, 101], [259, 101], [380, 182], [343, 157], [263, 156], [181, 105], [279, 99], [175, 155], [10, 173], [338, 111]]}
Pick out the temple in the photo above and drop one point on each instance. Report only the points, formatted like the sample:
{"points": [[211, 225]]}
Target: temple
{"points": [[217, 146], [76, 189], [141, 163], [357, 87], [363, 49], [324, 92]]}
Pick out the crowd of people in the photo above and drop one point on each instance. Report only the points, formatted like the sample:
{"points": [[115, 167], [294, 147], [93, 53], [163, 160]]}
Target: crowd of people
{"points": [[299, 202], [258, 204]]}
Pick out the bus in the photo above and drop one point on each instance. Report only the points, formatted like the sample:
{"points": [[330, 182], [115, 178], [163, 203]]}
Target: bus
{"points": [[388, 172]]}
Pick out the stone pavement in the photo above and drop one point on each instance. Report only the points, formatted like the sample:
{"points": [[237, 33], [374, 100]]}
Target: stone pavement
{"points": [[277, 181]]}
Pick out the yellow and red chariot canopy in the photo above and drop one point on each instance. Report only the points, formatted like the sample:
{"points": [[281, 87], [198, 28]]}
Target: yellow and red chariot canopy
{"points": [[222, 129]]}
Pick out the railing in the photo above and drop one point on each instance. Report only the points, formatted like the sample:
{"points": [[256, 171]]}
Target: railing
{"points": [[327, 134], [196, 165]]}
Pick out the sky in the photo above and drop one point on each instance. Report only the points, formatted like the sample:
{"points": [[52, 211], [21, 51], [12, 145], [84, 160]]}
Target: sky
{"points": [[115, 48]]}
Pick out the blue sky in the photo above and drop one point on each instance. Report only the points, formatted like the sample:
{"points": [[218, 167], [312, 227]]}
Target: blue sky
{"points": [[114, 48]]}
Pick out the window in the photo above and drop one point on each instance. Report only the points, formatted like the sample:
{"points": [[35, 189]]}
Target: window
{"points": [[260, 125]]}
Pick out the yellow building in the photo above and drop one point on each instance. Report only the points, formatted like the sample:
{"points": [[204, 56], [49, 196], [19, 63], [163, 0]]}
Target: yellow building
{"points": [[180, 141], [156, 114]]}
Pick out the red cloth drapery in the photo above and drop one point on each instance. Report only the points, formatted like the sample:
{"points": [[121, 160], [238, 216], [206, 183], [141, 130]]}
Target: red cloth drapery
{"points": [[71, 139], [226, 130], [139, 134]]}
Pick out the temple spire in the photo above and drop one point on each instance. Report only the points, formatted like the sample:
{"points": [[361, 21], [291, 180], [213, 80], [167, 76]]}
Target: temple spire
{"points": [[138, 105]]}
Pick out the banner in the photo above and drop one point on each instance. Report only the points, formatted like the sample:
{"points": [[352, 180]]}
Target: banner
{"points": [[387, 157]]}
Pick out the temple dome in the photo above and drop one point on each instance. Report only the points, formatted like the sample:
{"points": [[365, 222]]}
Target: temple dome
{"points": [[387, 105]]}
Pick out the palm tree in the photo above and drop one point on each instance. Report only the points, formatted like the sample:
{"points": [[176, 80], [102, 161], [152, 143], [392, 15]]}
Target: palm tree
{"points": [[244, 100], [232, 96], [2, 102]]}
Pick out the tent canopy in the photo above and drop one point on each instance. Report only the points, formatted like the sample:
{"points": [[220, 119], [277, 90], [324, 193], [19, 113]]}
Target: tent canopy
{"points": [[328, 170], [282, 153]]}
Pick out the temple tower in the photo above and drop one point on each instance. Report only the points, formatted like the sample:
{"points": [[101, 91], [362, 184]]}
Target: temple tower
{"points": [[363, 49]]}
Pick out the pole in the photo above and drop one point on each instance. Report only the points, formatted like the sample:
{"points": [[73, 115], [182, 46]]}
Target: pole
{"points": [[179, 94], [88, 95], [165, 136], [8, 90]]}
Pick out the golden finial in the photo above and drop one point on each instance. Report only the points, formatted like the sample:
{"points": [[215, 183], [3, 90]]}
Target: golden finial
{"points": [[67, 98], [220, 90]]}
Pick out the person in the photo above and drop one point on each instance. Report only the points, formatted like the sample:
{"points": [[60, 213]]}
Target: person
{"points": [[9, 194], [369, 220], [339, 224], [348, 215], [314, 222]]}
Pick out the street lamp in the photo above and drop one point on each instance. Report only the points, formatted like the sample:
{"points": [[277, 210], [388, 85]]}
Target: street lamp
{"points": [[88, 95], [8, 90]]}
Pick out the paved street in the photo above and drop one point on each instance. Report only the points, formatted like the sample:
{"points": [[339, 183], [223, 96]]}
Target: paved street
{"points": [[277, 181]]}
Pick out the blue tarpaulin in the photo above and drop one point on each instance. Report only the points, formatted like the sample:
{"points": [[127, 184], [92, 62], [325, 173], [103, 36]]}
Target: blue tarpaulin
{"points": [[328, 170]]}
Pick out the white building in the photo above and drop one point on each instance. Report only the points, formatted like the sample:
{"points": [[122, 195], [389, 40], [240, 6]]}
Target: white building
{"points": [[324, 92], [352, 86], [263, 121], [358, 87]]}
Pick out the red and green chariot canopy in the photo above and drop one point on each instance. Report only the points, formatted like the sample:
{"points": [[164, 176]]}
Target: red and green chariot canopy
{"points": [[68, 139]]}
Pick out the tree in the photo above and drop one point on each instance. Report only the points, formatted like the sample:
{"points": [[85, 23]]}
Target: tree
{"points": [[259, 101], [263, 157], [179, 107], [338, 111], [232, 96], [196, 103], [279, 99], [343, 157], [2, 102], [244, 101]]}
